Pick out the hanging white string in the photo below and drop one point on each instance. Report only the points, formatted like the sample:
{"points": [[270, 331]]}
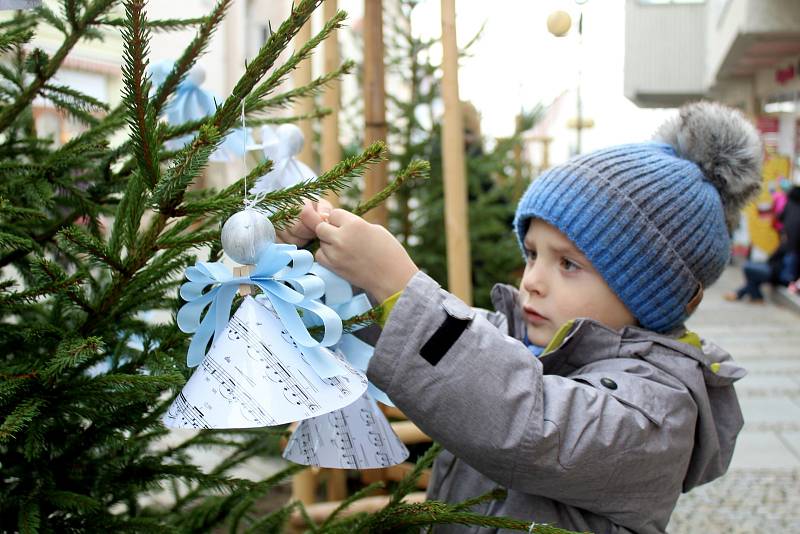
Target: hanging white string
{"points": [[244, 153]]}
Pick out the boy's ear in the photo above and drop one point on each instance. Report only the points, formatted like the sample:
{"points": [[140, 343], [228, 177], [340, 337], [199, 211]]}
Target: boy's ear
{"points": [[695, 302]]}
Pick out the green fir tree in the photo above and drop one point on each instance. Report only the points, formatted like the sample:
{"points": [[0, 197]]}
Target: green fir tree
{"points": [[494, 175], [94, 234]]}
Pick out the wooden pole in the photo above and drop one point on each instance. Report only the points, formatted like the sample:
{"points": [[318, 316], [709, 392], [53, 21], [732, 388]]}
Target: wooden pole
{"points": [[375, 179], [331, 150], [302, 76], [304, 486], [459, 268]]}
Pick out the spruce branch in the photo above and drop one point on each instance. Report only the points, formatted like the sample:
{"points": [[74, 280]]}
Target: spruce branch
{"points": [[272, 522], [227, 200], [358, 495], [16, 37], [409, 482], [259, 490], [417, 169], [128, 217], [312, 89], [228, 113], [277, 77], [10, 113], [159, 24], [16, 242], [190, 55], [61, 283], [316, 113], [71, 353], [42, 238], [406, 515], [497, 494], [20, 417], [68, 107], [88, 244], [78, 99], [136, 87], [187, 165], [332, 180]]}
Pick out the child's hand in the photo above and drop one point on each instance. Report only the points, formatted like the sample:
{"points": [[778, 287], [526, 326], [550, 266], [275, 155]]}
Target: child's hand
{"points": [[365, 254], [302, 231]]}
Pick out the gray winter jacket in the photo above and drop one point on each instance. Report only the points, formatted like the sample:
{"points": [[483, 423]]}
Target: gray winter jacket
{"points": [[600, 434]]}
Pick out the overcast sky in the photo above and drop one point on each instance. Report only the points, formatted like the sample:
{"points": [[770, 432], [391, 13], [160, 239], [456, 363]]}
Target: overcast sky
{"points": [[517, 62]]}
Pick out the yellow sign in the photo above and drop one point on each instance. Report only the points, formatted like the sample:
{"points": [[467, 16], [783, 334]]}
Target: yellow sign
{"points": [[759, 213]]}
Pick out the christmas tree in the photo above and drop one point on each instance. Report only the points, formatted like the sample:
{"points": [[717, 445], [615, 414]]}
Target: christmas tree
{"points": [[94, 235], [496, 174]]}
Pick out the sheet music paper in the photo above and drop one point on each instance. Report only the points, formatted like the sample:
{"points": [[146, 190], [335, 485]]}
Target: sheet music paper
{"points": [[356, 437], [256, 376]]}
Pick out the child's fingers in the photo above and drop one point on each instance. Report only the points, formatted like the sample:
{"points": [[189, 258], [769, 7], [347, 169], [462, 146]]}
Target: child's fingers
{"points": [[324, 208], [321, 258], [309, 219], [338, 217], [325, 232]]}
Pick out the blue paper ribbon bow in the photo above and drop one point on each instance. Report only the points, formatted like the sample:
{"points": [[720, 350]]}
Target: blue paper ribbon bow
{"points": [[284, 275], [339, 296]]}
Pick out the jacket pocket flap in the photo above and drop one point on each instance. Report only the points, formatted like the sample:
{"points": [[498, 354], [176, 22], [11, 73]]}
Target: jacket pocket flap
{"points": [[632, 391], [457, 309]]}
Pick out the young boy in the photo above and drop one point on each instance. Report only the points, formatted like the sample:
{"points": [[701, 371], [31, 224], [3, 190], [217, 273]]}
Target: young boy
{"points": [[619, 409]]}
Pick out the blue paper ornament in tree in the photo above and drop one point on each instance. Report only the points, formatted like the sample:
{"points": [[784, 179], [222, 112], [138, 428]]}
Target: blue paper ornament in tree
{"points": [[192, 103], [281, 145]]}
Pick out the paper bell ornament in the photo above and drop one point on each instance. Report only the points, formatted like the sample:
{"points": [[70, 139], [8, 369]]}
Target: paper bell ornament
{"points": [[357, 436], [255, 375]]}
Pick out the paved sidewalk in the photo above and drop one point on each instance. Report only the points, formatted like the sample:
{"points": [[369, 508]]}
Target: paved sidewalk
{"points": [[761, 492]]}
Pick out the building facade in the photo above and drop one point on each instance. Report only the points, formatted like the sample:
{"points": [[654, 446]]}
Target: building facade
{"points": [[744, 53]]}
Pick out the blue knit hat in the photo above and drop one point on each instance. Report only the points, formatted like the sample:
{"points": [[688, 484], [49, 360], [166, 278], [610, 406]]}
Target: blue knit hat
{"points": [[654, 218]]}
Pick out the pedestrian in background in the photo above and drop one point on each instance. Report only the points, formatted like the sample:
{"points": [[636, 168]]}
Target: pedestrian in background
{"points": [[782, 267]]}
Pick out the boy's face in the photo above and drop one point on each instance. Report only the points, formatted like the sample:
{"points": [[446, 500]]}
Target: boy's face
{"points": [[559, 284]]}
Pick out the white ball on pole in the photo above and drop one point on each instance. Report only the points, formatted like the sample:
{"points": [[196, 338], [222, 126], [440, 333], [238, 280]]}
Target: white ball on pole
{"points": [[246, 234], [559, 23]]}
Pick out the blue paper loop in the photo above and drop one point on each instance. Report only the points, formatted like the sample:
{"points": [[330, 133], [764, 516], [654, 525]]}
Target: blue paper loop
{"points": [[339, 297], [278, 265]]}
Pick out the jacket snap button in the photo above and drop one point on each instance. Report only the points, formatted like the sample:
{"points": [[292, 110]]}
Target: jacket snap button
{"points": [[607, 382]]}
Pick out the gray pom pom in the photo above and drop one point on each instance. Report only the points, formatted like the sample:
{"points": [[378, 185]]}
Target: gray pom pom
{"points": [[723, 143]]}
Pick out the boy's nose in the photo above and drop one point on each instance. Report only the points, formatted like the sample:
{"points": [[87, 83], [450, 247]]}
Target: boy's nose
{"points": [[533, 280]]}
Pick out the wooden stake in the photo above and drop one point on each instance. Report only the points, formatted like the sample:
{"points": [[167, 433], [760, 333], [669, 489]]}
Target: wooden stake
{"points": [[375, 179], [244, 270], [336, 484], [331, 151], [304, 486], [459, 268], [301, 77]]}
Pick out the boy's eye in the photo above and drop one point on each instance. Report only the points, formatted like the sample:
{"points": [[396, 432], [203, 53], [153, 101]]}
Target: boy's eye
{"points": [[569, 265], [530, 254]]}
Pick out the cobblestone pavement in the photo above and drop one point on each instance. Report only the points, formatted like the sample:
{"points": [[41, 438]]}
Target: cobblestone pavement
{"points": [[761, 492]]}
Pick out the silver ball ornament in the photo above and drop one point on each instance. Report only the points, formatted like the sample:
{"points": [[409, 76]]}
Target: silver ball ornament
{"points": [[245, 235]]}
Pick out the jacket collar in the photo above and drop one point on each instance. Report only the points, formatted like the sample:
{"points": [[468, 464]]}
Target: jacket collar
{"points": [[584, 341]]}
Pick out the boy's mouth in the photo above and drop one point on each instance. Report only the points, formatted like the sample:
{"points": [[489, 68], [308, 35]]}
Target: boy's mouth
{"points": [[532, 316]]}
